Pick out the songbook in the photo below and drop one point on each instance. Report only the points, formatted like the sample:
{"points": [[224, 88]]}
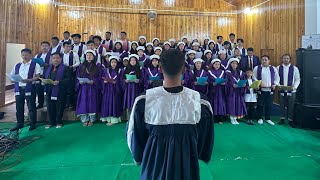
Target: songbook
{"points": [[14, 77], [220, 81], [84, 80], [131, 77], [110, 80], [156, 78], [202, 80], [285, 88], [38, 61], [256, 84], [242, 83], [46, 81]]}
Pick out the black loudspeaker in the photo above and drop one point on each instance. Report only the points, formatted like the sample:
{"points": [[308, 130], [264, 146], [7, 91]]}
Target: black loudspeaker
{"points": [[307, 106], [307, 116], [308, 62]]}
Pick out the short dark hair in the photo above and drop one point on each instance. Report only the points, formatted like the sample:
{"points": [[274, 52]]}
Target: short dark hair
{"points": [[108, 32], [66, 32], [172, 62], [232, 34], [219, 37], [55, 38], [250, 49], [66, 43], [123, 32], [265, 56], [90, 41], [97, 37], [57, 53], [241, 40], [45, 42], [286, 55], [226, 43], [27, 50], [249, 69], [76, 35]]}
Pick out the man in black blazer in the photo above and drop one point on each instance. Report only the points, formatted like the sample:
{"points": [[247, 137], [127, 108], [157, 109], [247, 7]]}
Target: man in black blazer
{"points": [[250, 61]]}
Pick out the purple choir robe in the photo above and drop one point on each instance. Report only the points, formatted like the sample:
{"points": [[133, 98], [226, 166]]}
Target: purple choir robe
{"points": [[131, 90], [236, 105], [151, 73], [111, 105], [186, 78], [87, 99], [198, 73], [216, 94], [224, 64]]}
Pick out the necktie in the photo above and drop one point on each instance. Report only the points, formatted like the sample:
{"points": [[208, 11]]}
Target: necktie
{"points": [[250, 62], [54, 68]]}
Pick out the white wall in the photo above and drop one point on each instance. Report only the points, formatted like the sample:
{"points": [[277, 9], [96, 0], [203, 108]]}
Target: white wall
{"points": [[312, 17], [13, 56]]}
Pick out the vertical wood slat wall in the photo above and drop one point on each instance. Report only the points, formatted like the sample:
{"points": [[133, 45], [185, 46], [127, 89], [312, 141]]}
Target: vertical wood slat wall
{"points": [[25, 22]]}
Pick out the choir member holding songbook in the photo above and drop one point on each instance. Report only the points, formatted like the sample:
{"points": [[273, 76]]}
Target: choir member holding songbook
{"points": [[270, 79], [289, 83], [24, 89], [56, 81]]}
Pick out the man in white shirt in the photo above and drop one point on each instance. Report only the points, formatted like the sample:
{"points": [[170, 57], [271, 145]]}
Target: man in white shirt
{"points": [[243, 50], [25, 90], [70, 59], [66, 38], [125, 42], [270, 79], [232, 40], [55, 45], [289, 77], [78, 47], [108, 43], [219, 45], [98, 46]]}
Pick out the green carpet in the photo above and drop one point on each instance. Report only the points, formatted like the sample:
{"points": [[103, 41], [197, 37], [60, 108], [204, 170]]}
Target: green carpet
{"points": [[100, 152]]}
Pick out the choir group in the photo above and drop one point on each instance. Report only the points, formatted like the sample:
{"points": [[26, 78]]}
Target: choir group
{"points": [[101, 78]]}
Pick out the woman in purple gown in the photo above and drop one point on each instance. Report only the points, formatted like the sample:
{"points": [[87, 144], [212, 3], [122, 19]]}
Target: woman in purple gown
{"points": [[217, 90], [152, 71], [236, 106], [198, 72], [111, 106], [87, 89]]}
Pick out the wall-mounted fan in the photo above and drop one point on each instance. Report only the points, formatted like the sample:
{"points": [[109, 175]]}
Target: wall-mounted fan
{"points": [[152, 15]]}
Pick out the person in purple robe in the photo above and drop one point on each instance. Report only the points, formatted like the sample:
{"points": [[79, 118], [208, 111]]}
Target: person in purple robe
{"points": [[166, 46], [235, 95], [158, 51], [149, 50], [111, 106], [184, 39], [227, 48], [142, 41], [207, 58], [222, 55], [156, 42], [56, 93], [133, 49], [172, 43], [131, 87], [143, 61], [198, 72], [152, 74], [105, 62], [196, 47], [117, 49], [87, 87], [186, 77], [216, 92], [181, 47], [191, 55], [205, 45]]}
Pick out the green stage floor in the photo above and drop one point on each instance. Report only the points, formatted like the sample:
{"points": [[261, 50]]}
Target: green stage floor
{"points": [[257, 152]]}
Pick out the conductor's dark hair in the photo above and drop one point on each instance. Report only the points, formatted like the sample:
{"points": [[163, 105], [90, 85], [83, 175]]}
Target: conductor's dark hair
{"points": [[90, 41], [232, 34], [66, 32], [219, 37], [172, 62], [97, 37], [108, 32], [250, 49], [57, 53], [66, 43], [27, 50], [45, 42], [123, 32], [241, 40], [55, 38], [76, 35], [265, 56]]}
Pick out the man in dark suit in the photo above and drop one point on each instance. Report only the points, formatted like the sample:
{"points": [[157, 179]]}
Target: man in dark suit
{"points": [[250, 61]]}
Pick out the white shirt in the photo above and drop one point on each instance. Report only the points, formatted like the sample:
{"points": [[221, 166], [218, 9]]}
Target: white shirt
{"points": [[104, 51], [245, 51], [54, 49], [76, 61], [43, 57], [24, 71], [252, 97], [220, 46], [296, 76], [266, 77], [64, 40], [76, 48]]}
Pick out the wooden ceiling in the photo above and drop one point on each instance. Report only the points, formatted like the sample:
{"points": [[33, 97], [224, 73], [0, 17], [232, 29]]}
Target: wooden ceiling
{"points": [[233, 2]]}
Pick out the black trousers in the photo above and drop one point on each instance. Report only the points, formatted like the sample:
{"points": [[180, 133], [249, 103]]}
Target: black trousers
{"points": [[31, 103], [40, 94], [56, 109], [251, 110], [71, 95], [265, 101]]}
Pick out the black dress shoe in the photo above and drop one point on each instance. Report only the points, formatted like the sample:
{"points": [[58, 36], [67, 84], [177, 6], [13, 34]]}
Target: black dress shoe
{"points": [[16, 128], [250, 122], [32, 128], [281, 122]]}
